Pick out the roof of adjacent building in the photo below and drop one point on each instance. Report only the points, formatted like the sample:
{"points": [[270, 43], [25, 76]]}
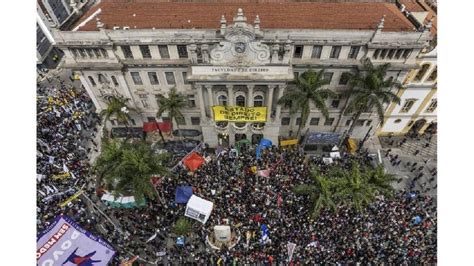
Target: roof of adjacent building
{"points": [[146, 14], [423, 6]]}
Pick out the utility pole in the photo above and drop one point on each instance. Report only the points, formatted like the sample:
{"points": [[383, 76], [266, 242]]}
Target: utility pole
{"points": [[100, 211]]}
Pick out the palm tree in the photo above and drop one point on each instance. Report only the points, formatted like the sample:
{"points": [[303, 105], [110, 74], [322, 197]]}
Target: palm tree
{"points": [[173, 105], [182, 227], [321, 193], [127, 168], [308, 90], [370, 90], [354, 189], [381, 181], [117, 107]]}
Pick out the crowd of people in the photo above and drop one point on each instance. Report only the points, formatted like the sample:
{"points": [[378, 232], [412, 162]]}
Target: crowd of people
{"points": [[386, 232]]}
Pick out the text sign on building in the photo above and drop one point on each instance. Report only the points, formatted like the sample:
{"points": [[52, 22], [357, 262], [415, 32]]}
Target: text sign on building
{"points": [[239, 114], [278, 72]]}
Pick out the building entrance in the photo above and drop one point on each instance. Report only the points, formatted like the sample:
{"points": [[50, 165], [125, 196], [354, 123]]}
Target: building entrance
{"points": [[223, 140]]}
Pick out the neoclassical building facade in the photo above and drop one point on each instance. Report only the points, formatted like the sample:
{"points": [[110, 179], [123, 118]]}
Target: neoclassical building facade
{"points": [[245, 54]]}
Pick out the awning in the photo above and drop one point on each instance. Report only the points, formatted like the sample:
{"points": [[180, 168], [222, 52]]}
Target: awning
{"points": [[150, 126], [325, 138], [183, 193]]}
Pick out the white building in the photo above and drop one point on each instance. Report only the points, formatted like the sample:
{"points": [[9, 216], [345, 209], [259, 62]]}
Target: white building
{"points": [[237, 54], [419, 101]]}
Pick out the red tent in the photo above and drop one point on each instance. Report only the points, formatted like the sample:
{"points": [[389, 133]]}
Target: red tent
{"points": [[193, 161]]}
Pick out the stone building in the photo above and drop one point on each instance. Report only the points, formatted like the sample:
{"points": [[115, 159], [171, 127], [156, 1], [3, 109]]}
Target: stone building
{"points": [[236, 54]]}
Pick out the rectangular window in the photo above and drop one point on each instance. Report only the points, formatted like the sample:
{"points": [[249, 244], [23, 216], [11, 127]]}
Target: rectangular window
{"points": [[104, 53], [314, 121], [145, 50], [137, 80], [296, 74], [406, 53], [97, 53], [316, 51], [82, 51], [73, 52], [390, 53], [170, 78], [195, 121], [329, 122], [328, 76], [298, 121], [151, 119], [398, 53], [360, 122], [353, 52], [181, 121], [127, 52], [90, 53], [182, 51], [166, 119], [153, 78], [376, 54], [432, 107], [369, 122], [344, 78], [144, 103], [408, 105], [298, 51], [133, 121], [383, 53], [191, 100], [285, 121], [348, 122], [164, 51], [185, 77], [92, 81], [335, 52], [335, 103]]}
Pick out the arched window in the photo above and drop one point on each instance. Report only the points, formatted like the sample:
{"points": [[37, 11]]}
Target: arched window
{"points": [[240, 100], [421, 72], [222, 100], [433, 75], [258, 101], [114, 80], [102, 79], [92, 81]]}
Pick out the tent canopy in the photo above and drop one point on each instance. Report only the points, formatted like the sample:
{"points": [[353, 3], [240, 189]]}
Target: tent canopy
{"points": [[183, 193], [193, 161], [266, 143], [199, 209]]}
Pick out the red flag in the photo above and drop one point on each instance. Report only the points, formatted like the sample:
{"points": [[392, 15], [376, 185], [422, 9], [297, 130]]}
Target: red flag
{"points": [[279, 200]]}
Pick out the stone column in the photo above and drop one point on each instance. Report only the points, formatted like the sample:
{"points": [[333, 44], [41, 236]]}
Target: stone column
{"points": [[270, 101], [202, 108], [211, 99], [230, 93], [281, 89], [250, 95]]}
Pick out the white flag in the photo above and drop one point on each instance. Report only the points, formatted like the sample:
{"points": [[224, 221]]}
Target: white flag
{"points": [[65, 169], [291, 249], [152, 237]]}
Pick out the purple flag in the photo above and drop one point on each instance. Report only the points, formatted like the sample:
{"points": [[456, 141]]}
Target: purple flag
{"points": [[66, 243]]}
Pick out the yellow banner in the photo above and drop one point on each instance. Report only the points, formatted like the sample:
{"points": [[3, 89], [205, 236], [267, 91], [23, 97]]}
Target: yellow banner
{"points": [[73, 197], [60, 176], [288, 142], [239, 114]]}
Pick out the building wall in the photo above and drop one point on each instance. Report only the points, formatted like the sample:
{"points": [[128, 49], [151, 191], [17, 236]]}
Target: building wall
{"points": [[116, 64]]}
